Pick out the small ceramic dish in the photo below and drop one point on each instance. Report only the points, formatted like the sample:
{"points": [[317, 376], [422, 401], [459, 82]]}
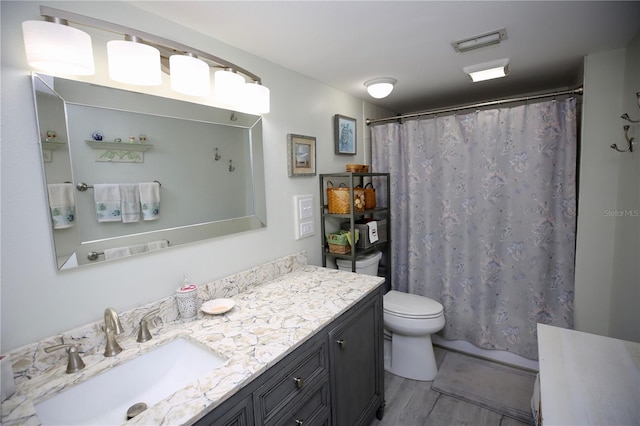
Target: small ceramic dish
{"points": [[217, 306]]}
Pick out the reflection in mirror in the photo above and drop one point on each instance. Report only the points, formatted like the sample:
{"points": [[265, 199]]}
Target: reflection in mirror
{"points": [[101, 146]]}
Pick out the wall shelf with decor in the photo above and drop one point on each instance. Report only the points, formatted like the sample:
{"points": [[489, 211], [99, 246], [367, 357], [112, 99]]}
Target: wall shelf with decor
{"points": [[119, 152], [349, 214]]}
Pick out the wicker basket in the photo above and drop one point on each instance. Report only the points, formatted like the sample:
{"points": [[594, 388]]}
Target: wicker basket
{"points": [[339, 198], [340, 242], [369, 197], [357, 168]]}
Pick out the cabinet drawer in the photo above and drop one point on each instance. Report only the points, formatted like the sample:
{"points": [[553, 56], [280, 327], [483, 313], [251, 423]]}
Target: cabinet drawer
{"points": [[314, 411], [292, 381]]}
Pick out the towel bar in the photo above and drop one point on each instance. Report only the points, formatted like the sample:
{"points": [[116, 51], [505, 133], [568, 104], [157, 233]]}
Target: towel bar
{"points": [[81, 186], [93, 255]]}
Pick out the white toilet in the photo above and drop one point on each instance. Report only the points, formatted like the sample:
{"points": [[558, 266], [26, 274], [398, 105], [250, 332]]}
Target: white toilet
{"points": [[411, 320]]}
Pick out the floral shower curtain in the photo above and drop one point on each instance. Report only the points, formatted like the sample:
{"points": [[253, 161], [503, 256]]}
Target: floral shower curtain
{"points": [[484, 218]]}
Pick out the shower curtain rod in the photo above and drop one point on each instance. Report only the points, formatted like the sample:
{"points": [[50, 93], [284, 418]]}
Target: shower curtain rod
{"points": [[576, 91]]}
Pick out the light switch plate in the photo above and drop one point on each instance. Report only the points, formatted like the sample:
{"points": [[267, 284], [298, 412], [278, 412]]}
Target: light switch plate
{"points": [[304, 218]]}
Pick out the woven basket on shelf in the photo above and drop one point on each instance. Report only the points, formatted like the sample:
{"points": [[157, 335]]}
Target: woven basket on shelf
{"points": [[357, 168], [340, 242], [369, 197], [339, 198]]}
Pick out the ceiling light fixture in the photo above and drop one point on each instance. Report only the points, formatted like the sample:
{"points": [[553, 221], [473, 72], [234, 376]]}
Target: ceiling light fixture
{"points": [[53, 46], [189, 75], [133, 62], [488, 70], [481, 40], [380, 87]]}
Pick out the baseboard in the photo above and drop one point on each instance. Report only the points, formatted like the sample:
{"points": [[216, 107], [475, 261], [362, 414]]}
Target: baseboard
{"points": [[492, 355]]}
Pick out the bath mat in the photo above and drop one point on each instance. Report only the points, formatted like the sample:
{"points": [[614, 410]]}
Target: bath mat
{"points": [[501, 388]]}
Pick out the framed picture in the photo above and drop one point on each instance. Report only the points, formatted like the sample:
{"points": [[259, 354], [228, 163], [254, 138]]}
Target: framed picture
{"points": [[345, 134], [301, 155]]}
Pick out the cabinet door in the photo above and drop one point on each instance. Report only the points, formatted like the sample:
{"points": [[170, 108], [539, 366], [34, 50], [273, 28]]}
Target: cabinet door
{"points": [[356, 365], [232, 412]]}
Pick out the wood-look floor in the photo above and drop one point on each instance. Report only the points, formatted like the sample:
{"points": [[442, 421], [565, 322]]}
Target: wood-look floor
{"points": [[414, 403]]}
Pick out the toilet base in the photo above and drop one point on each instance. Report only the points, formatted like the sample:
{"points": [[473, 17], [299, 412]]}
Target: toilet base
{"points": [[412, 357]]}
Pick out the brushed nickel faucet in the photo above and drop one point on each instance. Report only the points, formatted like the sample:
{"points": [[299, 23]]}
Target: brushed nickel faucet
{"points": [[144, 334], [74, 362], [112, 328]]}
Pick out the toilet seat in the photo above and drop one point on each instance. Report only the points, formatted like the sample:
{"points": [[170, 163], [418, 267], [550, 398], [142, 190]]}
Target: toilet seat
{"points": [[411, 306]]}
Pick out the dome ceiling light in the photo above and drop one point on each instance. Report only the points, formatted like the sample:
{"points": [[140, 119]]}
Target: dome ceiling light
{"points": [[380, 87]]}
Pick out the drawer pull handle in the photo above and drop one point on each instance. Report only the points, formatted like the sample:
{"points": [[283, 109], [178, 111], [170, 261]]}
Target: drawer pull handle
{"points": [[340, 343], [299, 382], [299, 422]]}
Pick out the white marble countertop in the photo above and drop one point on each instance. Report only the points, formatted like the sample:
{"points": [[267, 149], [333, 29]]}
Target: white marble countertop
{"points": [[266, 324], [587, 379]]}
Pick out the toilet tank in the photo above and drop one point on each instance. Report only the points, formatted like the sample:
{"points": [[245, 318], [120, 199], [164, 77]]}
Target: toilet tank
{"points": [[366, 264]]}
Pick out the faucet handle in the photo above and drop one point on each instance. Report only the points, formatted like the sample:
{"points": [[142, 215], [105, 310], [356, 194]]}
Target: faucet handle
{"points": [[112, 347], [144, 334], [74, 362]]}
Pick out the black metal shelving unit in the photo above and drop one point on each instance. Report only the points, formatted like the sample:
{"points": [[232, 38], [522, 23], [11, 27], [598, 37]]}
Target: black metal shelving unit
{"points": [[382, 211]]}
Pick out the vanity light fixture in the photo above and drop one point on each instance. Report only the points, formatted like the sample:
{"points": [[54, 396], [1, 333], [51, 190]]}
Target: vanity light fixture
{"points": [[480, 40], [488, 70], [135, 61], [189, 75], [256, 97], [132, 61], [227, 86], [380, 87], [55, 47]]}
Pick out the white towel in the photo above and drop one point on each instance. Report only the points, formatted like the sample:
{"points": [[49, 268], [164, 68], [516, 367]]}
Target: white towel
{"points": [[157, 245], [149, 200], [373, 231], [108, 204], [62, 205], [130, 202], [116, 253]]}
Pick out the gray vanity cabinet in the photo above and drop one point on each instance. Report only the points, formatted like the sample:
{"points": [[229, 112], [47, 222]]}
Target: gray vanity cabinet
{"points": [[334, 378], [357, 366], [236, 411]]}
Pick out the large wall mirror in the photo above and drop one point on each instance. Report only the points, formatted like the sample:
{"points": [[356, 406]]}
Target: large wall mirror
{"points": [[207, 163]]}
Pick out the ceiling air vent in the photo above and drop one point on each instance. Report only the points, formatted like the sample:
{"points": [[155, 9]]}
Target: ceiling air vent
{"points": [[478, 41]]}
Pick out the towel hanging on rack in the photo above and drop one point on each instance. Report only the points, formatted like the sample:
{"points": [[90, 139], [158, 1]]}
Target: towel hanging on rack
{"points": [[130, 197], [149, 200], [62, 205], [107, 199]]}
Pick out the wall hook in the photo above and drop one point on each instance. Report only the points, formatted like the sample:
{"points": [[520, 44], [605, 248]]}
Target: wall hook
{"points": [[231, 167], [629, 141], [217, 156], [625, 116]]}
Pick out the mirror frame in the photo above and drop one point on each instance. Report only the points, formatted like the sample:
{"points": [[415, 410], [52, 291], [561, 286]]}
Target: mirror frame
{"points": [[168, 108]]}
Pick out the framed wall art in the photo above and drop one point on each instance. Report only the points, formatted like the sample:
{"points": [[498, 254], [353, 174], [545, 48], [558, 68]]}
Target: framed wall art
{"points": [[345, 134], [301, 155]]}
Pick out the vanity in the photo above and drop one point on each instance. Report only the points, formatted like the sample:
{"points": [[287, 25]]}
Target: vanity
{"points": [[302, 345]]}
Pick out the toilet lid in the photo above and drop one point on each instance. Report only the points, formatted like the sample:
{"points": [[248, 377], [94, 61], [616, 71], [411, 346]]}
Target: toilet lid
{"points": [[411, 305]]}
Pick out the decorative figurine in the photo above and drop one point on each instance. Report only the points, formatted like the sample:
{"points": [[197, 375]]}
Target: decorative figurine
{"points": [[97, 135]]}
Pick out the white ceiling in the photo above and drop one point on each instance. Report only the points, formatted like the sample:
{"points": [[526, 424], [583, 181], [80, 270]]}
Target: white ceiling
{"points": [[344, 43]]}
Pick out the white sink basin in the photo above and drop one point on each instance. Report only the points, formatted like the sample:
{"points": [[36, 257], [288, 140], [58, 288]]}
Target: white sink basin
{"points": [[149, 378]]}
